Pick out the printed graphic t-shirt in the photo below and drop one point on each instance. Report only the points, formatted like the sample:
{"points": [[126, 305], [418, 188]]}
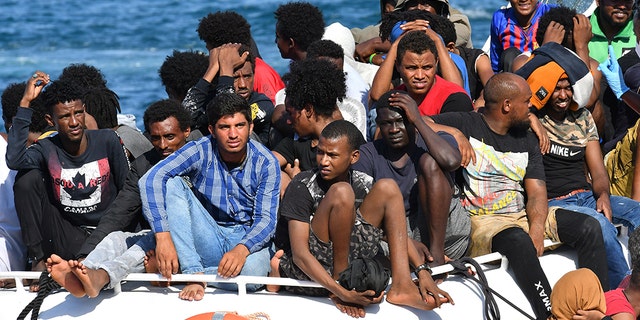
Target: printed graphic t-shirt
{"points": [[495, 184]]}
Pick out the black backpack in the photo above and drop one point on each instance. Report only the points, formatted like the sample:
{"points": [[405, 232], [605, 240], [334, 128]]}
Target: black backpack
{"points": [[364, 274]]}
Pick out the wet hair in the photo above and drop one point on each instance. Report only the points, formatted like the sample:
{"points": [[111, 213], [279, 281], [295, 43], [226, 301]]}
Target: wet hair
{"points": [[83, 74], [222, 27], [181, 70], [634, 247], [61, 91], [11, 97], [343, 128], [300, 21], [325, 48], [315, 82], [104, 105], [162, 110], [561, 15], [439, 24], [226, 104], [417, 42], [498, 88]]}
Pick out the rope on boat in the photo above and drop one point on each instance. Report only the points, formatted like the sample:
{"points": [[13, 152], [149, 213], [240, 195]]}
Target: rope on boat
{"points": [[258, 316], [491, 310], [47, 285]]}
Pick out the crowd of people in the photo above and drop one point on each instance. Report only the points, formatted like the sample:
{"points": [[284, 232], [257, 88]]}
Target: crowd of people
{"points": [[398, 142]]}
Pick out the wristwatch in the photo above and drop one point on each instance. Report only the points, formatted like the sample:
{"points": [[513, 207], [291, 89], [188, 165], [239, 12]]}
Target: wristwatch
{"points": [[421, 267]]}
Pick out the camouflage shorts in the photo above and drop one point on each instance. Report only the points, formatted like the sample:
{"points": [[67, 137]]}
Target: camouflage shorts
{"points": [[365, 240]]}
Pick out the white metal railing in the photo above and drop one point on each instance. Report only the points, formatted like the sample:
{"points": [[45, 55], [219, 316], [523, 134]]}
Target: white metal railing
{"points": [[242, 281]]}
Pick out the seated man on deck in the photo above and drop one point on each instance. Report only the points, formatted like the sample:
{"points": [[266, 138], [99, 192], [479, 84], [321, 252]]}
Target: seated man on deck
{"points": [[13, 253], [356, 97], [232, 69], [332, 214], [217, 29], [182, 70], [612, 25], [572, 30], [420, 161], [68, 180], [221, 221], [236, 67], [102, 108], [505, 193], [298, 25], [415, 57], [575, 146], [513, 29], [621, 160], [179, 72], [370, 44], [121, 253], [314, 88], [451, 66]]}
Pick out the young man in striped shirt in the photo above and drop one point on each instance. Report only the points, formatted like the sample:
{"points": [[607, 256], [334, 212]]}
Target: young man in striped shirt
{"points": [[222, 220]]}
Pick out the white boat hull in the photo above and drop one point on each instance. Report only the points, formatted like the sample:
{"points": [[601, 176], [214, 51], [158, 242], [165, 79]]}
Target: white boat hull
{"points": [[139, 300]]}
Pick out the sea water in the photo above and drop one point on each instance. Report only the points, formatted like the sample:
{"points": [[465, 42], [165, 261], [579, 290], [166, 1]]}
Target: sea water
{"points": [[129, 40]]}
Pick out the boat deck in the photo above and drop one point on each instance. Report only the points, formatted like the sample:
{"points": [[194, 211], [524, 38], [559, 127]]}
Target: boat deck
{"points": [[138, 299]]}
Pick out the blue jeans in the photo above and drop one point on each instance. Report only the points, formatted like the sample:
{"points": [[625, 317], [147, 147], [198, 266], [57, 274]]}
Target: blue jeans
{"points": [[624, 210], [201, 242], [371, 123]]}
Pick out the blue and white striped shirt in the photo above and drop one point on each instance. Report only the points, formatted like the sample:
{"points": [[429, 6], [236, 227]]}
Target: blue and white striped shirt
{"points": [[248, 194]]}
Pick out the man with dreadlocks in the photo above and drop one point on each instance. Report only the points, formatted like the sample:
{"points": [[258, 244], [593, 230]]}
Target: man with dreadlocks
{"points": [[103, 105]]}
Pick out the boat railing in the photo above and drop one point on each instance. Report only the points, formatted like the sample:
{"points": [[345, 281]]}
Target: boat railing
{"points": [[242, 281]]}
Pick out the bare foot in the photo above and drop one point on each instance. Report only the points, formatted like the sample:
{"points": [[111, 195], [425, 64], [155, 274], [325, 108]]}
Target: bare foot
{"points": [[60, 271], [193, 291], [151, 266], [39, 266], [7, 283], [406, 295], [275, 270], [352, 310], [92, 280]]}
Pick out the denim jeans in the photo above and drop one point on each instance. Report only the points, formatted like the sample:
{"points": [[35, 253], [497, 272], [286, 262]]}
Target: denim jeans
{"points": [[624, 210], [201, 242], [371, 123], [121, 253]]}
